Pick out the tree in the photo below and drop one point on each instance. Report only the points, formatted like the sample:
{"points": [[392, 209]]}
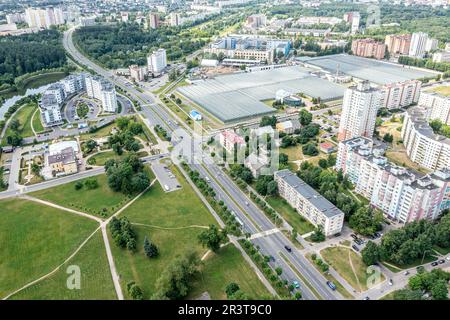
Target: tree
{"points": [[323, 163], [134, 291], [298, 295], [365, 221], [231, 289], [388, 137], [78, 185], [36, 169], [272, 188], [91, 183], [283, 158], [150, 249], [305, 117], [310, 150], [370, 254], [174, 282], [268, 121], [212, 238], [439, 290], [318, 235]]}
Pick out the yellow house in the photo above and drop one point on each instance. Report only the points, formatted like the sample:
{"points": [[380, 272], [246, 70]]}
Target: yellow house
{"points": [[63, 162]]}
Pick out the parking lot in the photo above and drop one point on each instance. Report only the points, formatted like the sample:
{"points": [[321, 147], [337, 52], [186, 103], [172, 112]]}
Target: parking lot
{"points": [[166, 178]]}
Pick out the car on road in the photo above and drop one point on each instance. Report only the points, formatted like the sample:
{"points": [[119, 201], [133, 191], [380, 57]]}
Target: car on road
{"points": [[366, 298], [406, 273], [337, 234], [331, 285], [434, 264], [391, 282], [442, 261], [296, 284], [288, 249]]}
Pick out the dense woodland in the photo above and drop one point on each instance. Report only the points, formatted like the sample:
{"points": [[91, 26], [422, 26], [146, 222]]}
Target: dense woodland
{"points": [[28, 53]]}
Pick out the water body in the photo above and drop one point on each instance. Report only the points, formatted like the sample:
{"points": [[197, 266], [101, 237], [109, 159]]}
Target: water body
{"points": [[9, 102]]}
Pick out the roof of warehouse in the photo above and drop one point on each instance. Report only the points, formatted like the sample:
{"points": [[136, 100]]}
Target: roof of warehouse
{"points": [[376, 71], [238, 96]]}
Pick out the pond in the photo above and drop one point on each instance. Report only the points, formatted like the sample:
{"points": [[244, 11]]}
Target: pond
{"points": [[9, 102]]}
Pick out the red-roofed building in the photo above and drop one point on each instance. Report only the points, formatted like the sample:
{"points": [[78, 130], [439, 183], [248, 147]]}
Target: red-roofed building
{"points": [[229, 138], [327, 147]]}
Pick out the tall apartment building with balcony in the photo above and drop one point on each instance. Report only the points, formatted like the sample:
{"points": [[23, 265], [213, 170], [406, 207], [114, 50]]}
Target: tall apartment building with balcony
{"points": [[401, 194], [423, 146], [103, 90], [437, 106], [398, 44], [400, 94], [368, 48], [309, 203], [359, 111]]}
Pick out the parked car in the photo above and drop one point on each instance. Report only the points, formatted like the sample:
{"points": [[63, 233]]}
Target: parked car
{"points": [[434, 264], [366, 298], [296, 284], [406, 273], [391, 282], [441, 261], [354, 236], [288, 248], [355, 248]]}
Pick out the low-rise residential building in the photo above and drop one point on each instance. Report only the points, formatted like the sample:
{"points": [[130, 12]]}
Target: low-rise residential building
{"points": [[327, 147], [228, 139], [437, 106], [400, 94], [309, 203], [442, 56], [368, 48], [402, 195], [137, 73], [423, 146], [288, 126], [62, 163]]}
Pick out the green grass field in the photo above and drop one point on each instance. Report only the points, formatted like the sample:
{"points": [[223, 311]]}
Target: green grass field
{"points": [[89, 201], [444, 90], [96, 282], [339, 259], [102, 132], [102, 157], [37, 123], [225, 267], [24, 116], [290, 215], [171, 220], [35, 239]]}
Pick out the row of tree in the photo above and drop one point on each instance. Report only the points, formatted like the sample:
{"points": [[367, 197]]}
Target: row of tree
{"points": [[408, 244]]}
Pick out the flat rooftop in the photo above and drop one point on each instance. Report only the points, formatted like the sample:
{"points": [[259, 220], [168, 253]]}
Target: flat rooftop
{"points": [[237, 97], [375, 71], [316, 199]]}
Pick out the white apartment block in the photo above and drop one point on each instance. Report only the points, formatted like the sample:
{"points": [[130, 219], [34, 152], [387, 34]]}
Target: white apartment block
{"points": [[423, 147], [175, 19], [15, 18], [420, 44], [437, 106], [103, 90], [309, 203], [73, 83], [157, 61], [50, 110], [400, 94], [44, 18], [359, 111], [443, 56], [400, 194]]}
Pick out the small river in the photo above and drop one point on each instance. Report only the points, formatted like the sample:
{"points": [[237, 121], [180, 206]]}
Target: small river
{"points": [[9, 102]]}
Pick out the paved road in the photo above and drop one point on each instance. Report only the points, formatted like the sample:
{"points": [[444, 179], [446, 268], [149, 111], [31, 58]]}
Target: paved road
{"points": [[272, 244]]}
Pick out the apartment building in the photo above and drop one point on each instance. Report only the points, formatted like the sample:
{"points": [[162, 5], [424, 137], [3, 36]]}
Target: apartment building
{"points": [[420, 44], [354, 19], [400, 94], [50, 110], [228, 139], [73, 83], [157, 61], [359, 111], [137, 73], [443, 56], [44, 18], [401, 194], [368, 48], [175, 19], [15, 18], [437, 106], [398, 44], [103, 90], [309, 203], [256, 21], [423, 147], [153, 20]]}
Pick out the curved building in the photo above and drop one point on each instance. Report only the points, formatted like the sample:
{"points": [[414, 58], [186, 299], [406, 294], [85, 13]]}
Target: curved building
{"points": [[423, 146]]}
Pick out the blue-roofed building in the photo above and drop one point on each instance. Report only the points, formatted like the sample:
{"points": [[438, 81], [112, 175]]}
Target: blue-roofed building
{"points": [[195, 115]]}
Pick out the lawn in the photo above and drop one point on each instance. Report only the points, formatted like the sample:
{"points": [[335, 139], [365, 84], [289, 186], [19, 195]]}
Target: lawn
{"points": [[227, 266], [24, 116], [96, 282], [102, 157], [397, 268], [339, 287], [37, 123], [163, 218], [339, 259], [102, 132], [101, 201], [35, 239], [444, 90], [290, 215]]}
